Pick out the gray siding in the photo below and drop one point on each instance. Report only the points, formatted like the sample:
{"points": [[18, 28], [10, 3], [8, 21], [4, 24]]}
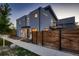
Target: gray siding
{"points": [[34, 20], [43, 20], [46, 19]]}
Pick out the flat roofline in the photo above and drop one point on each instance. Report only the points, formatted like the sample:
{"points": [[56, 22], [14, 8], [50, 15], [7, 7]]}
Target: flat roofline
{"points": [[67, 18]]}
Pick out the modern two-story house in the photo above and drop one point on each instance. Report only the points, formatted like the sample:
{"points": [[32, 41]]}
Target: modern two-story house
{"points": [[41, 19]]}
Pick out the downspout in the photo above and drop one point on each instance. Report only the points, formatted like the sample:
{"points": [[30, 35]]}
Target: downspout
{"points": [[39, 17]]}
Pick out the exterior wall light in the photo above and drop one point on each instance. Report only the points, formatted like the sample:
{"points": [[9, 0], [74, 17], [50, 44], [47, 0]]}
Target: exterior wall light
{"points": [[36, 15]]}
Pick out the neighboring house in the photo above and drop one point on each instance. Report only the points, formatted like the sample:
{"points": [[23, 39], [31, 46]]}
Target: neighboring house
{"points": [[66, 22], [41, 19]]}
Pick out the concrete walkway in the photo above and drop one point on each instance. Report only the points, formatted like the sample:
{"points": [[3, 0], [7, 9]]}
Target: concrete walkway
{"points": [[37, 49]]}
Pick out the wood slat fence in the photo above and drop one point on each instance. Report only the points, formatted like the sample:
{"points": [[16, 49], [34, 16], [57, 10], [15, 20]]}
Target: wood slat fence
{"points": [[65, 39]]}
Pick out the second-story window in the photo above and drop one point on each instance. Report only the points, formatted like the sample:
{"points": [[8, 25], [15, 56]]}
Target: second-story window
{"points": [[51, 22], [19, 22], [28, 21]]}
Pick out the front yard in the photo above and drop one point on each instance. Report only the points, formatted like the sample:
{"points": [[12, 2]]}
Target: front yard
{"points": [[18, 51]]}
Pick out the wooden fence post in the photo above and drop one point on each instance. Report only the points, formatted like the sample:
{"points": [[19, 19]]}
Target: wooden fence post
{"points": [[42, 38], [36, 36], [60, 39], [32, 36]]}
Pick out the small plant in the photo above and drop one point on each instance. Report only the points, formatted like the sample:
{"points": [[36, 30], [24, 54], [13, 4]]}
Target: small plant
{"points": [[7, 43]]}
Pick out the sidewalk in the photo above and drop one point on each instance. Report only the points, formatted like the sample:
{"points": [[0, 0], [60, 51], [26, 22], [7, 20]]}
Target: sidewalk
{"points": [[37, 49]]}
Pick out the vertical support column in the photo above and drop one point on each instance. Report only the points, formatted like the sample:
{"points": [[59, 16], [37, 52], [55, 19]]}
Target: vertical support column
{"points": [[39, 17], [4, 42]]}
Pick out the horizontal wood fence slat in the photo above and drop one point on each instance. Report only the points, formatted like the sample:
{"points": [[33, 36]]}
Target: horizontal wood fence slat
{"points": [[69, 38]]}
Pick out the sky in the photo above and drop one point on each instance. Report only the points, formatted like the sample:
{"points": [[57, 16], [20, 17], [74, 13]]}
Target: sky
{"points": [[62, 10]]}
